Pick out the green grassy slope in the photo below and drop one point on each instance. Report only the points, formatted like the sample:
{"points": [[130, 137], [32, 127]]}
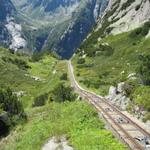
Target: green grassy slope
{"points": [[19, 79], [77, 120], [110, 61]]}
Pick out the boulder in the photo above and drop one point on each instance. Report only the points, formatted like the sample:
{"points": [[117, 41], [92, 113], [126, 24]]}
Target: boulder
{"points": [[121, 87], [112, 92], [121, 100]]}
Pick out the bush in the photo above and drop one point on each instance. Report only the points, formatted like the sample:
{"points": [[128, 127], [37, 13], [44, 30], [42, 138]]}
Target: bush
{"points": [[142, 31], [130, 86], [63, 93], [81, 61], [136, 32], [10, 104], [78, 74], [4, 128], [144, 69], [40, 100], [93, 83], [105, 50], [146, 117], [36, 56], [19, 62], [141, 97], [99, 49], [64, 76]]}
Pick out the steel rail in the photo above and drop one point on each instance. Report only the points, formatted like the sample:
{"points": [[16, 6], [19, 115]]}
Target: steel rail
{"points": [[90, 97]]}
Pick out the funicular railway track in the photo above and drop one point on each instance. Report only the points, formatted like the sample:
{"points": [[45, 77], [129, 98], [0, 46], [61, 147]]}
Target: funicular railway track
{"points": [[127, 130]]}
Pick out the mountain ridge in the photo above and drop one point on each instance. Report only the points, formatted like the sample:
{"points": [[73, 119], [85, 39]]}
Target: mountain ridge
{"points": [[52, 25], [124, 16]]}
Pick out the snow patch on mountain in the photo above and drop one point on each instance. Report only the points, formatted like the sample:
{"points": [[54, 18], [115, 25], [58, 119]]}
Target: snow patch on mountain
{"points": [[15, 30]]}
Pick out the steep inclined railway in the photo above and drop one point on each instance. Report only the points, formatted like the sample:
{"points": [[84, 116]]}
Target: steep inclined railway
{"points": [[126, 129]]}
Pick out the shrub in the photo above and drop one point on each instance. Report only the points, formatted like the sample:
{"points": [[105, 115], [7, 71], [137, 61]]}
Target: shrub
{"points": [[92, 83], [91, 51], [78, 74], [146, 117], [81, 61], [10, 104], [63, 93], [36, 56], [40, 100], [19, 62], [142, 31], [146, 28], [105, 50], [130, 86], [141, 97], [64, 76], [136, 32], [144, 69], [99, 49], [4, 128]]}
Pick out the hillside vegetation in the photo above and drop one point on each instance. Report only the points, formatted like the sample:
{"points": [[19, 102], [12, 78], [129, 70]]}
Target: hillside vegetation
{"points": [[100, 63], [23, 81], [28, 77], [77, 120], [40, 88]]}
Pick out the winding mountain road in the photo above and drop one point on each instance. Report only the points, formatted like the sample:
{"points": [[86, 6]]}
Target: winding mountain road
{"points": [[125, 128]]}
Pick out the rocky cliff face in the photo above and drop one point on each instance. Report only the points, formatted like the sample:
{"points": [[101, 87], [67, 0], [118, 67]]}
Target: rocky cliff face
{"points": [[10, 31], [62, 25], [125, 15]]}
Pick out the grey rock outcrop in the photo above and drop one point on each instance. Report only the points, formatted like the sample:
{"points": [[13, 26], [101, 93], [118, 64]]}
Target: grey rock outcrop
{"points": [[126, 15], [117, 95]]}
